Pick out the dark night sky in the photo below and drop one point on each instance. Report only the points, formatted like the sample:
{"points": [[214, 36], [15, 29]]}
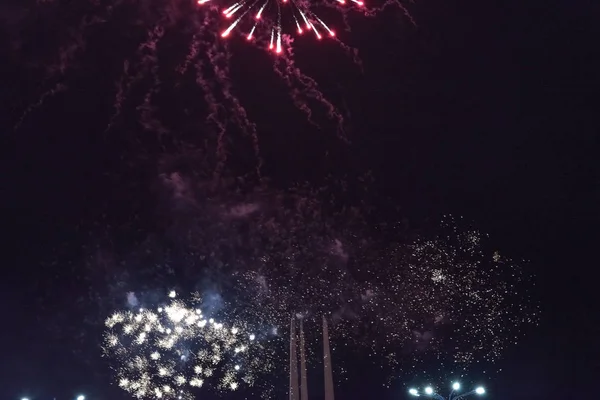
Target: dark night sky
{"points": [[482, 110]]}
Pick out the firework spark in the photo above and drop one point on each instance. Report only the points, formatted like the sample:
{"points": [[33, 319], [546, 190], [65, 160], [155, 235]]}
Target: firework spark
{"points": [[168, 351], [299, 15], [440, 296]]}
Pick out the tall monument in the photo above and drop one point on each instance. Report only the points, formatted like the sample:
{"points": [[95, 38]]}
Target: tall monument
{"points": [[293, 363], [327, 371], [303, 379], [301, 393]]}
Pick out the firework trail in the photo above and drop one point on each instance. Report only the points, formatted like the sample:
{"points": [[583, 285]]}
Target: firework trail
{"points": [[67, 53], [150, 62], [122, 90], [294, 77], [56, 89], [192, 54], [220, 57], [205, 29]]}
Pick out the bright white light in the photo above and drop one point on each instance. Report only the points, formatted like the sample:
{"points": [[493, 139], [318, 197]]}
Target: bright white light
{"points": [[24, 398], [456, 386], [414, 392], [428, 390], [81, 397], [172, 294], [252, 337], [480, 390]]}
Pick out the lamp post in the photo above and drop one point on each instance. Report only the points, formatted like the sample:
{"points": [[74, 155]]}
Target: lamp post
{"points": [[454, 395]]}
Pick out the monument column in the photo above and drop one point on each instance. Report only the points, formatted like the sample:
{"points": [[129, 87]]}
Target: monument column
{"points": [[328, 373], [303, 378], [293, 363]]}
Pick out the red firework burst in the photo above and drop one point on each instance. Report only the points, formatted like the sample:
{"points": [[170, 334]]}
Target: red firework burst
{"points": [[299, 13]]}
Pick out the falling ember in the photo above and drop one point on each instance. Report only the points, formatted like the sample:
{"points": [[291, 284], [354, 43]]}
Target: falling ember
{"points": [[228, 30], [260, 11], [272, 36], [231, 8], [251, 32], [316, 31], [298, 25], [331, 33], [305, 20], [278, 42]]}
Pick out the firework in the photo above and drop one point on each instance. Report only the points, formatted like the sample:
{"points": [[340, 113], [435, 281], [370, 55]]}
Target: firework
{"points": [[299, 12], [168, 351], [154, 77], [442, 295], [441, 298]]}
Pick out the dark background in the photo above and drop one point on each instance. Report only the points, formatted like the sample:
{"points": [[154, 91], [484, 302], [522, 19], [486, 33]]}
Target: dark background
{"points": [[484, 109]]}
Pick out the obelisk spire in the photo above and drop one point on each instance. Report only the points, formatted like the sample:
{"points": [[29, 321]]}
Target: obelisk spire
{"points": [[303, 378], [328, 373], [293, 362]]}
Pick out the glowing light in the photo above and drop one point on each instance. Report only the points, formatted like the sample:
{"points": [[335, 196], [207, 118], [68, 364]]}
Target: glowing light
{"points": [[480, 390], [228, 30], [428, 390], [455, 386], [81, 397], [162, 351], [303, 9], [413, 392], [249, 37]]}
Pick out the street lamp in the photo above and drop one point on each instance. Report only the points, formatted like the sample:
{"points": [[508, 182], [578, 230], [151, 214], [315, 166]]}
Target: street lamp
{"points": [[429, 392]]}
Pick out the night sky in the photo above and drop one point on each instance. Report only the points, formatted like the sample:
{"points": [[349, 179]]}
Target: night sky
{"points": [[483, 109]]}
